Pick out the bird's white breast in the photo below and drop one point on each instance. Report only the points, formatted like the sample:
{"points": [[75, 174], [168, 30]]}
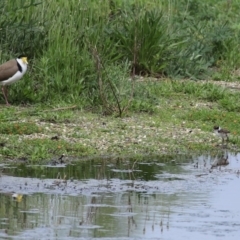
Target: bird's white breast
{"points": [[18, 75]]}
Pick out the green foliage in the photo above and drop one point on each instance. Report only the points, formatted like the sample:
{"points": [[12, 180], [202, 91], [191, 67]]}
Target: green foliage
{"points": [[230, 103], [205, 33], [43, 149], [19, 128], [117, 89], [20, 31], [146, 97], [35, 149], [77, 55], [203, 115], [206, 91], [143, 39], [193, 107], [113, 87]]}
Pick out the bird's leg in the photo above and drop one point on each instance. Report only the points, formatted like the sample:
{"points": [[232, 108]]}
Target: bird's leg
{"points": [[4, 90], [227, 139]]}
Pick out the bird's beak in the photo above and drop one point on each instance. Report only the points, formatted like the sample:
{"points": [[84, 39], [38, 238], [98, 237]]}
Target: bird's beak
{"points": [[25, 60]]}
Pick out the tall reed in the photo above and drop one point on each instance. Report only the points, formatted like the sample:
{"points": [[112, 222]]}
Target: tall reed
{"points": [[159, 38]]}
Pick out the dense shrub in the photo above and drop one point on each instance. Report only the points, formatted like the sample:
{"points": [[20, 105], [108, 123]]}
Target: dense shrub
{"points": [[76, 45]]}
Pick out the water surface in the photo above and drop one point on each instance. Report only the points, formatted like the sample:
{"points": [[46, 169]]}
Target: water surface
{"points": [[116, 199]]}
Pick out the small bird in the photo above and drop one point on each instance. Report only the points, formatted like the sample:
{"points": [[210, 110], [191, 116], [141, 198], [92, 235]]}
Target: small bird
{"points": [[12, 71], [223, 133], [17, 197], [222, 161]]}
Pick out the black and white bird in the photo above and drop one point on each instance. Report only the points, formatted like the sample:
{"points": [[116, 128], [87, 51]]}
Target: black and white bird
{"points": [[12, 71], [223, 133]]}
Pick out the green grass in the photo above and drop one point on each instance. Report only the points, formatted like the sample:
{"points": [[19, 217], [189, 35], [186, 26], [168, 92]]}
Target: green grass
{"points": [[86, 53], [89, 59], [40, 150], [19, 128], [28, 132]]}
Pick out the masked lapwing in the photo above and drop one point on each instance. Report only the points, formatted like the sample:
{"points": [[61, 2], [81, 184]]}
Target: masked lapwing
{"points": [[12, 71], [223, 133]]}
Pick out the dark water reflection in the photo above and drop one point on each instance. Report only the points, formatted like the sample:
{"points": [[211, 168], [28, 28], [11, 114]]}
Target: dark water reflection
{"points": [[115, 199], [103, 168]]}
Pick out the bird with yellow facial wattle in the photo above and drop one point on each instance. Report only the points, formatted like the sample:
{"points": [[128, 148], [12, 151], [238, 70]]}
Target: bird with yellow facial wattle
{"points": [[12, 71]]}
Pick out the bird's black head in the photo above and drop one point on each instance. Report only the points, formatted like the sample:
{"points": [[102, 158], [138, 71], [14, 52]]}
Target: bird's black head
{"points": [[21, 56]]}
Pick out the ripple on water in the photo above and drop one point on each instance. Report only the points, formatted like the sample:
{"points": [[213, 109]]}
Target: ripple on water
{"points": [[111, 201]]}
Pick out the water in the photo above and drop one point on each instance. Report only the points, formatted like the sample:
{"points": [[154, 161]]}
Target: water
{"points": [[118, 199]]}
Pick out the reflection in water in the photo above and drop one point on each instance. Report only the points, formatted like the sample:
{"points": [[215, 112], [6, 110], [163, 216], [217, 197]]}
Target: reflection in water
{"points": [[158, 200], [106, 215]]}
